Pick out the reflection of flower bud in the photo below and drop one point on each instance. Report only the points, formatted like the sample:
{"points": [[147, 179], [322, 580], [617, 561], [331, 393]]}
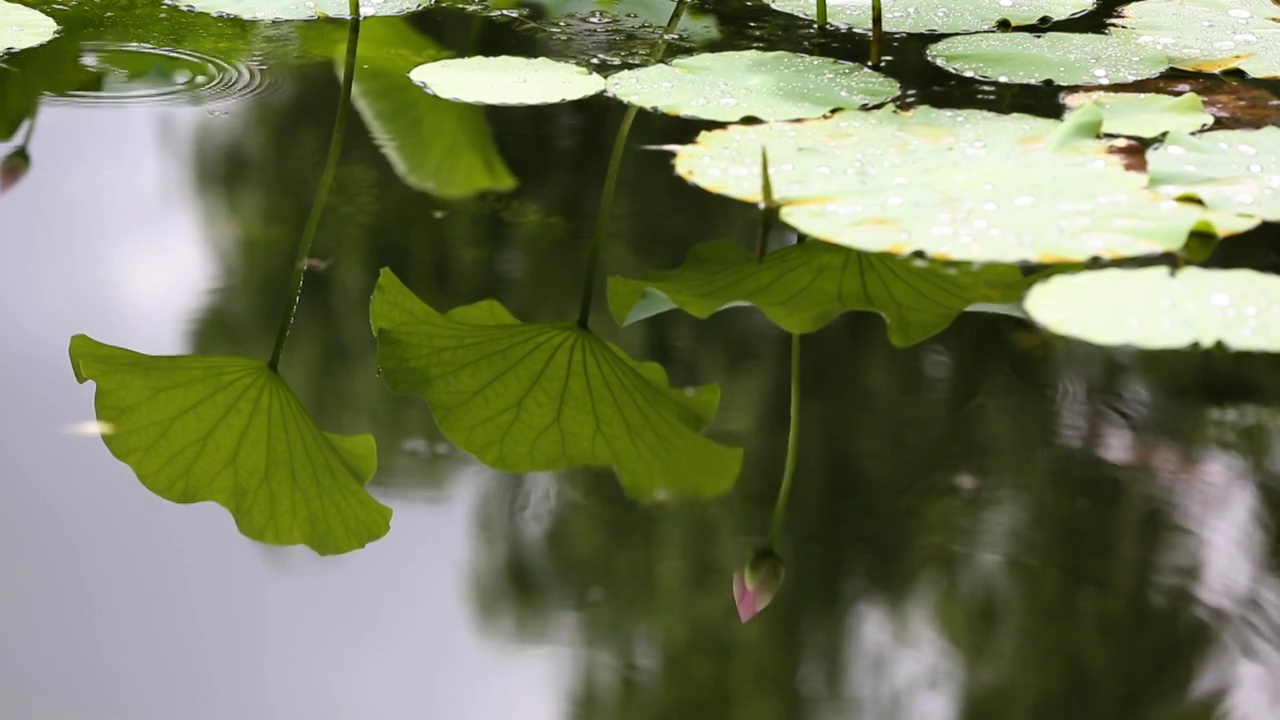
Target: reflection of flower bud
{"points": [[755, 585], [13, 167]]}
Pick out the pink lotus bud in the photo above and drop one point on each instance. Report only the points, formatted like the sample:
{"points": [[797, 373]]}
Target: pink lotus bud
{"points": [[13, 167], [755, 585]]}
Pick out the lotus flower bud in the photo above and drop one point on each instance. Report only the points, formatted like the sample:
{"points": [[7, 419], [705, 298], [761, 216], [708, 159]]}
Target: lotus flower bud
{"points": [[13, 168], [755, 585]]}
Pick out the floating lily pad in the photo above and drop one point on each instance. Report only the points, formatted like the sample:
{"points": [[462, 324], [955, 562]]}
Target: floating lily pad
{"points": [[21, 27], [507, 80], [964, 185], [1062, 58], [729, 86], [1233, 105], [434, 145], [1207, 35], [804, 287], [300, 9], [1144, 115], [228, 429], [1229, 170], [1155, 309], [540, 397], [940, 16]]}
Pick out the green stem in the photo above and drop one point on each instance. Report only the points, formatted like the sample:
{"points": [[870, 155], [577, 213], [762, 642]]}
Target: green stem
{"points": [[793, 445], [322, 191], [605, 208], [822, 13], [602, 214], [877, 32]]}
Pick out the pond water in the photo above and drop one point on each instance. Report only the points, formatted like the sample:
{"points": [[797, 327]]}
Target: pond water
{"points": [[994, 522]]}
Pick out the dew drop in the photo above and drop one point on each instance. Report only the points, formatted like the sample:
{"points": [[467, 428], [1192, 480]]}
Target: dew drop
{"points": [[1220, 299]]}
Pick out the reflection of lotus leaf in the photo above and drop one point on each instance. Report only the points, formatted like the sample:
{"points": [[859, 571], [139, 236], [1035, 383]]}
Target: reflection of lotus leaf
{"points": [[300, 9], [1155, 309], [1207, 35], [507, 80], [434, 145], [803, 287], [1144, 115], [21, 27], [1063, 58], [955, 184], [540, 397], [1229, 170], [228, 429], [942, 16], [730, 86]]}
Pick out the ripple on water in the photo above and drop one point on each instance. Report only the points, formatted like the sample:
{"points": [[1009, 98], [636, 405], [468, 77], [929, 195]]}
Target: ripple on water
{"points": [[137, 73]]}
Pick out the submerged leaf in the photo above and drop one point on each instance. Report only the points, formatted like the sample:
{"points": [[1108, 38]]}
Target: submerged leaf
{"points": [[540, 397], [21, 27], [940, 16], [803, 287], [1229, 170], [1144, 115], [228, 429], [300, 9], [434, 145], [1063, 58], [955, 184], [729, 86], [1155, 309], [507, 80], [1207, 35]]}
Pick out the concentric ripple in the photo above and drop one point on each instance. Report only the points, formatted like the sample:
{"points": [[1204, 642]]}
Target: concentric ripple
{"points": [[135, 73]]}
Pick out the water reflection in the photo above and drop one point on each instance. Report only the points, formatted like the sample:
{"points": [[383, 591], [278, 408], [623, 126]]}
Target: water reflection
{"points": [[989, 524]]}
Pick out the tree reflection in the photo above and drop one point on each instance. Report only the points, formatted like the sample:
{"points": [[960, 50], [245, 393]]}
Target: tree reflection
{"points": [[961, 542]]}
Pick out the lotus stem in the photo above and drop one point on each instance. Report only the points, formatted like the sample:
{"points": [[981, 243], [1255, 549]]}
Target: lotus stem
{"points": [[877, 32], [793, 445], [605, 208], [322, 190], [822, 13]]}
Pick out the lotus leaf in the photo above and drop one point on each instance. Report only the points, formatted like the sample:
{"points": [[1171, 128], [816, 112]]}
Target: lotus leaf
{"points": [[1156, 309], [730, 86], [1062, 58]]}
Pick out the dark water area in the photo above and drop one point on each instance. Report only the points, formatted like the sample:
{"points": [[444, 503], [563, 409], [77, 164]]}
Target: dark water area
{"points": [[993, 523]]}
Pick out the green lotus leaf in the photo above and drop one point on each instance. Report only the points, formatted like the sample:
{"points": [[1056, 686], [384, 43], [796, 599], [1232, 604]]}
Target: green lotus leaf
{"points": [[434, 145], [627, 18], [1228, 170], [1207, 35], [21, 27], [1144, 115], [300, 9], [729, 86], [803, 287], [540, 397], [229, 430], [1062, 58], [1156, 309], [507, 80], [966, 185], [940, 16]]}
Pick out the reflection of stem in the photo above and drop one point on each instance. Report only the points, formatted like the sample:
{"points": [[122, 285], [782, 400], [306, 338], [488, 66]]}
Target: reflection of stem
{"points": [[877, 32], [31, 127], [767, 208], [611, 177], [322, 191], [793, 438]]}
